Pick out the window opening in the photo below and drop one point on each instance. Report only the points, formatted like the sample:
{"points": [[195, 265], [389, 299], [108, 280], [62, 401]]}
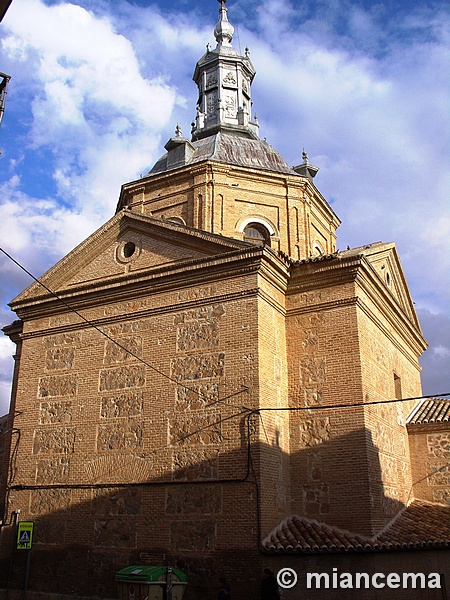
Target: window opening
{"points": [[397, 387], [129, 249], [255, 233]]}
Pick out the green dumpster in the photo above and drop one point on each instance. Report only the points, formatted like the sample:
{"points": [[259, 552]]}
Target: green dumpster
{"points": [[150, 583]]}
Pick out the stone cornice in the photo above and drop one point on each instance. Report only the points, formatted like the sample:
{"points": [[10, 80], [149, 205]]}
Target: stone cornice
{"points": [[275, 270], [320, 202], [246, 173], [199, 271], [323, 272], [408, 335], [144, 313], [14, 331]]}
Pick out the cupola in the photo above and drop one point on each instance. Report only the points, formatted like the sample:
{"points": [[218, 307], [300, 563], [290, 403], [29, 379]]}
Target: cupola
{"points": [[224, 79]]}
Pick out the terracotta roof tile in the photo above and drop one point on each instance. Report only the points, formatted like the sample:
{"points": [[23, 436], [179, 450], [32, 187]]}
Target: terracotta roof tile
{"points": [[420, 525], [431, 410], [298, 534]]}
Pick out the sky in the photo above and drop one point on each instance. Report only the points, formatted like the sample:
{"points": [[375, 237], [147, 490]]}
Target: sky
{"points": [[97, 88]]}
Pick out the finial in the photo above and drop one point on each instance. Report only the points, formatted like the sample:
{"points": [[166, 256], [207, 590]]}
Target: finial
{"points": [[178, 131], [223, 31], [247, 52], [305, 157]]}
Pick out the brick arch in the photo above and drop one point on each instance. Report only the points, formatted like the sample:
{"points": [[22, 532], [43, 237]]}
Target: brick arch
{"points": [[269, 225]]}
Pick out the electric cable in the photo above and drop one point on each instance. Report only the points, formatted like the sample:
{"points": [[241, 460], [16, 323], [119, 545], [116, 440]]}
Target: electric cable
{"points": [[244, 411], [106, 335], [197, 393]]}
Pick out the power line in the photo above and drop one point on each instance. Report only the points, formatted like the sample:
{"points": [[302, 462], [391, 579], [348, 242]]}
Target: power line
{"points": [[244, 410], [106, 335], [352, 405], [196, 392], [250, 468]]}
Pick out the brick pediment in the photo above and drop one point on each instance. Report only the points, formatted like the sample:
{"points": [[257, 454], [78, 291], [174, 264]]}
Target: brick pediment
{"points": [[377, 268], [127, 245]]}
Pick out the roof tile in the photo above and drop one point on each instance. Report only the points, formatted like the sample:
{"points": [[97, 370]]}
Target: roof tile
{"points": [[420, 525], [431, 410]]}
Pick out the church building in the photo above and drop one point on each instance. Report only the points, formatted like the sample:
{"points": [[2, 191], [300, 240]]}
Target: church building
{"points": [[207, 383]]}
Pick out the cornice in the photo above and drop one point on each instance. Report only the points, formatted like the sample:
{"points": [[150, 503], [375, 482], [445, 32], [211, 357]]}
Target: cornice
{"points": [[148, 182], [198, 271], [321, 203], [144, 313], [107, 234], [14, 330], [425, 428], [274, 270], [323, 272], [268, 299], [393, 314], [218, 166], [411, 341]]}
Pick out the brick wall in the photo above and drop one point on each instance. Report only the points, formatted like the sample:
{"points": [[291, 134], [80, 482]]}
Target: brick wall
{"points": [[219, 198], [430, 452]]}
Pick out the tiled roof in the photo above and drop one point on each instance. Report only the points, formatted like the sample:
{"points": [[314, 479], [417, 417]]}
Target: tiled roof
{"points": [[431, 410], [420, 525], [341, 254], [298, 534]]}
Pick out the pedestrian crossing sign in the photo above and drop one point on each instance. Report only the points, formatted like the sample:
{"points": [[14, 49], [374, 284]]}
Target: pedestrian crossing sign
{"points": [[25, 535]]}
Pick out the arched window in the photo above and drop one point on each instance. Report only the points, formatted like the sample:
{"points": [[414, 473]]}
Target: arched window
{"points": [[256, 234], [317, 250], [177, 220]]}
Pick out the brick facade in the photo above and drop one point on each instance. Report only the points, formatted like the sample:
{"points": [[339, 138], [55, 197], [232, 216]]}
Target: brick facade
{"points": [[187, 390]]}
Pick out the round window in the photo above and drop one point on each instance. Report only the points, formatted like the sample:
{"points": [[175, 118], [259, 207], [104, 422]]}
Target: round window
{"points": [[128, 249]]}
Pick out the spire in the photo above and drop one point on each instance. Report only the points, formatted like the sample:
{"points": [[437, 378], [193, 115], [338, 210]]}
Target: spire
{"points": [[224, 78], [223, 31]]}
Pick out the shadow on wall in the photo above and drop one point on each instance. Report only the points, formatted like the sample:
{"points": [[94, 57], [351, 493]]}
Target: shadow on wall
{"points": [[207, 517]]}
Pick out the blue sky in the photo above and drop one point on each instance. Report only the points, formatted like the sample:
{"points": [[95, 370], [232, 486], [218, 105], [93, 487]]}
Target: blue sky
{"points": [[98, 87]]}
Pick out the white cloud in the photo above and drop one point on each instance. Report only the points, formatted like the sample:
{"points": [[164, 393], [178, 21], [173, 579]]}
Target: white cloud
{"points": [[92, 108], [436, 360], [7, 349], [95, 116], [33, 228]]}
